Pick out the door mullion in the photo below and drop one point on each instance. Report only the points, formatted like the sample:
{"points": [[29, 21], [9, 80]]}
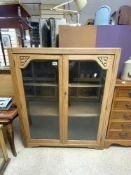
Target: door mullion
{"points": [[65, 97]]}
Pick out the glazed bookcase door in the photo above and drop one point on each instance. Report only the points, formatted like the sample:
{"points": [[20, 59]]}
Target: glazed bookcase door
{"points": [[84, 92], [40, 77], [64, 95]]}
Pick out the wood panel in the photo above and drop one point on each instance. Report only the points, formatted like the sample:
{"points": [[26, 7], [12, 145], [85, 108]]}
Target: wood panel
{"points": [[119, 135], [124, 93], [122, 105], [6, 85], [67, 51], [120, 115], [78, 36], [120, 125]]}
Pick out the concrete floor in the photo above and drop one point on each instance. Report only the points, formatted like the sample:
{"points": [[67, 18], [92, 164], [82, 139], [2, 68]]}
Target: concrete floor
{"points": [[68, 161]]}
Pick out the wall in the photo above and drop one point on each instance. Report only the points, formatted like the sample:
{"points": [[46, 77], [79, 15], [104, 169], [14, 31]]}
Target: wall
{"points": [[115, 36]]}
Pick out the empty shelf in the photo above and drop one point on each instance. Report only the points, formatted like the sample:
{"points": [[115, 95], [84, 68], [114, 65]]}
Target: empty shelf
{"points": [[76, 109], [40, 108], [84, 85], [84, 109], [41, 84]]}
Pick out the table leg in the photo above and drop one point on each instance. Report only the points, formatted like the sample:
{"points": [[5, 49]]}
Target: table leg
{"points": [[10, 136]]}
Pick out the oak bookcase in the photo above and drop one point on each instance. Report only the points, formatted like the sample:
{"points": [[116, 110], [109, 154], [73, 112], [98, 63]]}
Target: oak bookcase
{"points": [[64, 95]]}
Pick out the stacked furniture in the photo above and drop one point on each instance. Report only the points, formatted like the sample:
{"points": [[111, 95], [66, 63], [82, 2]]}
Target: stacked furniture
{"points": [[13, 15]]}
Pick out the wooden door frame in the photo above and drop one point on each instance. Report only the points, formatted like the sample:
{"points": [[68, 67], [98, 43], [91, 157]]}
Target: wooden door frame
{"points": [[21, 63], [106, 95]]}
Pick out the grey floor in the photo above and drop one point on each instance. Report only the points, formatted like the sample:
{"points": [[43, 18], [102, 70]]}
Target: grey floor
{"points": [[68, 161]]}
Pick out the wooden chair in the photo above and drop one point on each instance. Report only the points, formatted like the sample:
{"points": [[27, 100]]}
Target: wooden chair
{"points": [[6, 118]]}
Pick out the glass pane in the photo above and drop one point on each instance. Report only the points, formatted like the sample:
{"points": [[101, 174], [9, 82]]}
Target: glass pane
{"points": [[86, 86], [41, 91]]}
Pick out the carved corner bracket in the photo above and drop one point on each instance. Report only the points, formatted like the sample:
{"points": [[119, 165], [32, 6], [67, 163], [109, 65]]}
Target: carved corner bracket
{"points": [[103, 61], [24, 60]]}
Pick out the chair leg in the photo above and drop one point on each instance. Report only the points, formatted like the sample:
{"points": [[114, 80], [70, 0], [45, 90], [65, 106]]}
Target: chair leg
{"points": [[10, 136]]}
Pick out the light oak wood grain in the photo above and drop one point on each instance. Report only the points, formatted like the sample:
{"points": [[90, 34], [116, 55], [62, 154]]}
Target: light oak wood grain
{"points": [[2, 144], [119, 129], [6, 85], [107, 59]]}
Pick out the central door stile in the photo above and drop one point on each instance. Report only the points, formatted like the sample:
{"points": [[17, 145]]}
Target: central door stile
{"points": [[65, 72], [60, 99]]}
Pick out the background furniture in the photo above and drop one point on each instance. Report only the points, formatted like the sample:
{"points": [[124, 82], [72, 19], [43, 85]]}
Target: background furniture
{"points": [[101, 36], [13, 15], [6, 85], [116, 36], [4, 160], [61, 102], [102, 15], [6, 118], [70, 36], [119, 129]]}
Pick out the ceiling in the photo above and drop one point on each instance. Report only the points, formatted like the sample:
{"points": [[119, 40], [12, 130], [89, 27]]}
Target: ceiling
{"points": [[87, 12]]}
